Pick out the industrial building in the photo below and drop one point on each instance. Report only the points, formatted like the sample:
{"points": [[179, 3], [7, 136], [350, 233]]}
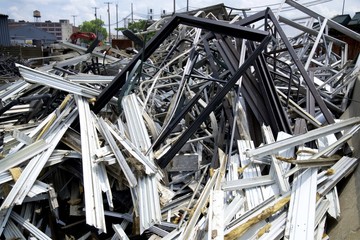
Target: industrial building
{"points": [[4, 31], [61, 30], [28, 34]]}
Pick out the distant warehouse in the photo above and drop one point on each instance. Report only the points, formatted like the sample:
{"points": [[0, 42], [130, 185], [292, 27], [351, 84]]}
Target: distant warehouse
{"points": [[4, 31]]}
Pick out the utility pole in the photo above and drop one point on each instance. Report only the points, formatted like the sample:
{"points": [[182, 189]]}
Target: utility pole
{"points": [[108, 10], [95, 8], [187, 5], [174, 7], [342, 13], [132, 13], [74, 16], [117, 22], [95, 12]]}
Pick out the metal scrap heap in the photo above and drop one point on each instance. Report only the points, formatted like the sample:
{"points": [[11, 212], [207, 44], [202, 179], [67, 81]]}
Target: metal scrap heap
{"points": [[215, 129]]}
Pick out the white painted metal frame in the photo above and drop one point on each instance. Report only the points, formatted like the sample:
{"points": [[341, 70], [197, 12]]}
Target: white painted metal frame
{"points": [[23, 155], [33, 168], [341, 169], [147, 191], [11, 231], [94, 208], [57, 82], [119, 156], [28, 226], [119, 232], [301, 215], [273, 148], [276, 170]]}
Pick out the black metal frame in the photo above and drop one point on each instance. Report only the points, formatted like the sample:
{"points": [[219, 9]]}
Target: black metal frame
{"points": [[207, 24], [217, 99], [270, 112]]}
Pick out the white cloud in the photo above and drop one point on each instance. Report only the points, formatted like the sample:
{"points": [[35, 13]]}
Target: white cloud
{"points": [[83, 9]]}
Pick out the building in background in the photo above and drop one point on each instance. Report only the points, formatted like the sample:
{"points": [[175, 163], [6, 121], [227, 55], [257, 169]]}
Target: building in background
{"points": [[4, 31], [352, 23], [61, 30], [28, 35]]}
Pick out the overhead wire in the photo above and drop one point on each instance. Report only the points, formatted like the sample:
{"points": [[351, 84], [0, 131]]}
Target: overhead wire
{"points": [[144, 16]]}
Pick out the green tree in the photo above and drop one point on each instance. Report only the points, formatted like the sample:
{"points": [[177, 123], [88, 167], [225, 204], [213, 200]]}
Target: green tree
{"points": [[94, 26], [137, 27]]}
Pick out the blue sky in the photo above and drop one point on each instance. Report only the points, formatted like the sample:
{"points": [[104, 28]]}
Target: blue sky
{"points": [[54, 10]]}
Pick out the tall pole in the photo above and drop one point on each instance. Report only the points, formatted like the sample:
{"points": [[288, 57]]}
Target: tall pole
{"points": [[108, 10], [95, 8], [117, 22], [132, 13], [174, 7], [187, 5], [342, 13], [74, 16], [95, 12]]}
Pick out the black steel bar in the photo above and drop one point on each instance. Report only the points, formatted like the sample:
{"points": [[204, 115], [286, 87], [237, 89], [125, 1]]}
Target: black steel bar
{"points": [[172, 50], [92, 46], [229, 113], [290, 74], [210, 58], [277, 117], [168, 156], [225, 57], [206, 78], [130, 35], [250, 89], [252, 18], [208, 24], [113, 88], [24, 100], [327, 114], [254, 99], [268, 14], [219, 141], [223, 28], [177, 119]]}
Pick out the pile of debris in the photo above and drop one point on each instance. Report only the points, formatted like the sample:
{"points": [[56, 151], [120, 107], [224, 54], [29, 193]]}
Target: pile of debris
{"points": [[213, 130], [8, 70]]}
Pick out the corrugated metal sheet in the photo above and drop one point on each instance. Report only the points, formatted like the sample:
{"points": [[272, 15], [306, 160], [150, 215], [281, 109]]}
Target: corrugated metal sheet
{"points": [[4, 31]]}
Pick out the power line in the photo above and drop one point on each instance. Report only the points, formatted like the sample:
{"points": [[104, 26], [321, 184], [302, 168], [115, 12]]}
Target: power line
{"points": [[289, 8]]}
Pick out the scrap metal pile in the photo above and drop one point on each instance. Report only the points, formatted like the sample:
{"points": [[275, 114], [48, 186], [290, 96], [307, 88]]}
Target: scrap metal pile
{"points": [[8, 70], [213, 130]]}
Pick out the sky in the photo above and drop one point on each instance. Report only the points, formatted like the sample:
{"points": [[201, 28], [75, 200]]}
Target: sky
{"points": [[84, 10]]}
